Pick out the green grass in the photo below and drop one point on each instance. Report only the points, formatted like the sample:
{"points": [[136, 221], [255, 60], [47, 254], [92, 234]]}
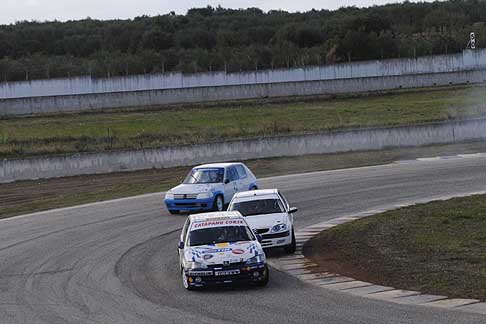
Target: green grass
{"points": [[436, 248], [68, 133]]}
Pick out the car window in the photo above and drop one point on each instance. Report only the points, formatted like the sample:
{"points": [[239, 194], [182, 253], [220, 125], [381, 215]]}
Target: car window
{"points": [[210, 175], [215, 235], [284, 200], [184, 230], [258, 207], [232, 174], [241, 171]]}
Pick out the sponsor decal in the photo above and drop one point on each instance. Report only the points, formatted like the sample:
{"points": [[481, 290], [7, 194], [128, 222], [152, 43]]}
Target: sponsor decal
{"points": [[227, 272], [216, 250], [218, 223], [238, 251], [221, 245], [252, 248], [242, 242], [207, 253], [200, 273]]}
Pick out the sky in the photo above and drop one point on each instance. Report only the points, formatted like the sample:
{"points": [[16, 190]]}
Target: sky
{"points": [[42, 10]]}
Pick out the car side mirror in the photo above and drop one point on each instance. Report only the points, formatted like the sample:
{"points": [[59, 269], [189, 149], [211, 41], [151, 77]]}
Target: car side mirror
{"points": [[293, 210], [181, 245], [226, 181], [259, 238]]}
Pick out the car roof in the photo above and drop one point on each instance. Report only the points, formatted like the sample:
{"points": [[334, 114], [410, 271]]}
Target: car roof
{"points": [[215, 215], [217, 165], [260, 193], [257, 193]]}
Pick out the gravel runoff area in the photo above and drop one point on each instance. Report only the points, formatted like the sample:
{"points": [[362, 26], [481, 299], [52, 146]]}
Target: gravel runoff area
{"points": [[151, 127], [29, 196], [437, 248]]}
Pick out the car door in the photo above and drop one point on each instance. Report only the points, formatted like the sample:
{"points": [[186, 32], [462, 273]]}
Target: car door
{"points": [[244, 180], [231, 184]]}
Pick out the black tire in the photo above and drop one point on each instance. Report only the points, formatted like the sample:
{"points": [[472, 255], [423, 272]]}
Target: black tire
{"points": [[254, 188], [266, 277], [184, 281], [218, 204], [173, 211], [292, 246]]}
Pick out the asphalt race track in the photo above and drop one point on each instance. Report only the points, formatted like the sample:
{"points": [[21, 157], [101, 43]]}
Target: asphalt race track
{"points": [[116, 262]]}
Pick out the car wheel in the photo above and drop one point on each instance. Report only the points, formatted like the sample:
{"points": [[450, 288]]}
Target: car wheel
{"points": [[292, 246], [218, 203], [185, 283], [264, 280], [173, 211], [254, 188]]}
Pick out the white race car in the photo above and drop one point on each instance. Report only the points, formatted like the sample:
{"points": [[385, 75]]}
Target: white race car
{"points": [[220, 248], [269, 214], [210, 187]]}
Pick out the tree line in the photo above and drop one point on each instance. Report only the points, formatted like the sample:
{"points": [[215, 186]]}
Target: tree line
{"points": [[220, 39]]}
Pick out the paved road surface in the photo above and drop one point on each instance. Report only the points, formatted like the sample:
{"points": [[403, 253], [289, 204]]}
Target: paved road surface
{"points": [[116, 262]]}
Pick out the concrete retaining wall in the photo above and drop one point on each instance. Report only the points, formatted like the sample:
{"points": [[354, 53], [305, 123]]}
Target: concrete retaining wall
{"points": [[333, 142], [466, 61], [78, 103]]}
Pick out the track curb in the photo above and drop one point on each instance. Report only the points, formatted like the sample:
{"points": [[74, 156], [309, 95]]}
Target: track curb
{"points": [[297, 265]]}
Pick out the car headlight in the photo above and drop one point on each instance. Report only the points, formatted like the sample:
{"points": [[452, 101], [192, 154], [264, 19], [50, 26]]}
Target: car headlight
{"points": [[279, 228], [194, 265], [205, 195], [169, 195], [256, 259]]}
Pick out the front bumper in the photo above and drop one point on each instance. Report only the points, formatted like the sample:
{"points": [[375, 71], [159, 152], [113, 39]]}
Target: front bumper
{"points": [[209, 277], [276, 240], [189, 204]]}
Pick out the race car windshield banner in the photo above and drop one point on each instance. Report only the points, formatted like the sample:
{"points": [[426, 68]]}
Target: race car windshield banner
{"points": [[217, 223]]}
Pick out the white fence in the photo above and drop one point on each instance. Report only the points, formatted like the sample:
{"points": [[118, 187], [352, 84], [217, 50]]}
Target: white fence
{"points": [[466, 61], [103, 101]]}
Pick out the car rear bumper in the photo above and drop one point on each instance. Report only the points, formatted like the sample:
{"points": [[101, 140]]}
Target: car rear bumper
{"points": [[189, 204], [205, 277]]}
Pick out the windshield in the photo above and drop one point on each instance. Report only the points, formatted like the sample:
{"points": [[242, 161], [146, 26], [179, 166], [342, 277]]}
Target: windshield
{"points": [[196, 176], [224, 234], [258, 207]]}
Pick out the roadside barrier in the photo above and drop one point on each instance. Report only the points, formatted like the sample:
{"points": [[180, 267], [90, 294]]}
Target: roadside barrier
{"points": [[163, 97], [187, 155]]}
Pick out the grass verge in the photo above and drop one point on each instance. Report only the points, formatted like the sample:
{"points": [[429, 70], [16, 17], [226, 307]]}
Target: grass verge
{"points": [[160, 126], [436, 248], [29, 196]]}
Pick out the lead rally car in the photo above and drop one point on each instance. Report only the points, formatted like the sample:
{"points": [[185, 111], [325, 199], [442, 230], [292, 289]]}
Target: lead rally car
{"points": [[220, 248]]}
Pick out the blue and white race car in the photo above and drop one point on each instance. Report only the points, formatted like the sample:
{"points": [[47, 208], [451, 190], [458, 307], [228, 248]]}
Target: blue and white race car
{"points": [[210, 187], [220, 248]]}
